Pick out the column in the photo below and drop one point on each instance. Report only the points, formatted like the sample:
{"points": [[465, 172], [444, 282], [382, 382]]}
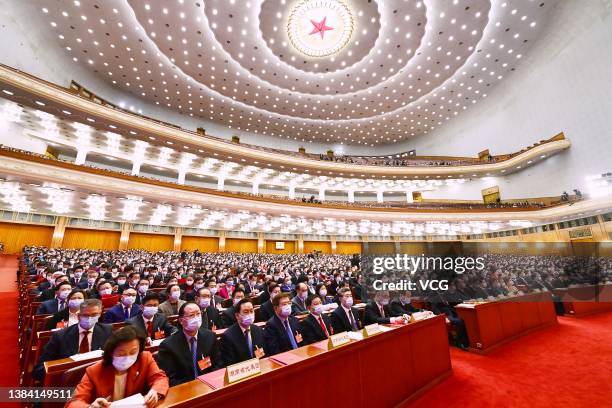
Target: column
{"points": [[291, 191], [322, 194], [255, 188], [58, 232], [351, 196], [221, 241], [396, 242], [379, 196], [181, 176], [81, 156], [261, 243], [125, 235], [300, 244], [333, 244], [409, 197], [220, 183], [178, 239], [136, 168]]}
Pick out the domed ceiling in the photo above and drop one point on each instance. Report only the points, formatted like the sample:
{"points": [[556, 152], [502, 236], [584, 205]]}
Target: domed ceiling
{"points": [[360, 72]]}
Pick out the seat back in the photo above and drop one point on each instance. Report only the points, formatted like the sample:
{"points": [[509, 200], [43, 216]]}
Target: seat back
{"points": [[73, 376]]}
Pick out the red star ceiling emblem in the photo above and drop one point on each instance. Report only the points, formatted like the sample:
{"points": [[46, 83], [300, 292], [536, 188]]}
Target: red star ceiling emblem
{"points": [[320, 28]]}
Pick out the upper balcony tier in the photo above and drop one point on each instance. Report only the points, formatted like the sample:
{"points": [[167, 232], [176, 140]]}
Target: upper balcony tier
{"points": [[77, 104]]}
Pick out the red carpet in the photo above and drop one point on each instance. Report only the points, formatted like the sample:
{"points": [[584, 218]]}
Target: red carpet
{"points": [[569, 365], [9, 375]]}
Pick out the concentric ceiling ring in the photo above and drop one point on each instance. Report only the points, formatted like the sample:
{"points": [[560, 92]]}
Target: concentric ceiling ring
{"points": [[319, 28]]}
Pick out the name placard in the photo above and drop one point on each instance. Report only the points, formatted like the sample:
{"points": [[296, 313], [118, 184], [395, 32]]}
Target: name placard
{"points": [[242, 370], [338, 340], [417, 316], [371, 330]]}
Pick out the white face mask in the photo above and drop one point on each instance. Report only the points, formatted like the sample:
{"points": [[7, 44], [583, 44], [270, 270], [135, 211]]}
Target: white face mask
{"points": [[88, 322], [106, 291], [124, 362], [317, 310], [149, 311]]}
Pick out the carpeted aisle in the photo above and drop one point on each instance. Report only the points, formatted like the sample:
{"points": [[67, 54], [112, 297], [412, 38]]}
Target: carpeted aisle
{"points": [[9, 358], [569, 365]]}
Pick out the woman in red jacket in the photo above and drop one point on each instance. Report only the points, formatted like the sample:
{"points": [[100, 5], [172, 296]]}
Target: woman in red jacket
{"points": [[126, 369]]}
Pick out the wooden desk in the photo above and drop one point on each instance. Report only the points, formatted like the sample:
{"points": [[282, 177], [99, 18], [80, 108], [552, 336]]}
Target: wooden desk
{"points": [[384, 370], [585, 300], [491, 324]]}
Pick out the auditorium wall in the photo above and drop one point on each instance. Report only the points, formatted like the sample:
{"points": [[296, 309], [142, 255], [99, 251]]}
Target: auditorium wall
{"points": [[317, 246], [243, 246], [16, 236], [151, 242], [91, 239], [348, 248], [203, 244], [563, 84], [290, 248]]}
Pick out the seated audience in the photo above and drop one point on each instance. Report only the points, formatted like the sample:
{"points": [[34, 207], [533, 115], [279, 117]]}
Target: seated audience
{"points": [[211, 318], [126, 369], [229, 315], [266, 309], [378, 311], [190, 352], [282, 331], [345, 317], [243, 340], [57, 303], [316, 326], [68, 315], [83, 337], [124, 310], [174, 302], [402, 305], [298, 303], [150, 321]]}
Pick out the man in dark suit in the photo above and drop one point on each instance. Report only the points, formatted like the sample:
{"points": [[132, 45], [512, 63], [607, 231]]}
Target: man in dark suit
{"points": [[441, 305], [298, 303], [124, 310], [79, 338], [403, 305], [266, 310], [142, 290], [316, 326], [150, 321], [215, 300], [50, 293], [58, 302], [345, 317], [229, 315], [190, 352], [283, 331], [242, 340], [211, 318], [378, 311]]}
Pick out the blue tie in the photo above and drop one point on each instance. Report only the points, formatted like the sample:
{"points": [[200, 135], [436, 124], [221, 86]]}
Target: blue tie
{"points": [[126, 313], [290, 335], [194, 354], [249, 342]]}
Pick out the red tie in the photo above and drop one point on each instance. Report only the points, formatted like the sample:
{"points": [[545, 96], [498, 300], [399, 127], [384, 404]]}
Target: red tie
{"points": [[382, 312], [84, 346], [323, 327], [149, 329]]}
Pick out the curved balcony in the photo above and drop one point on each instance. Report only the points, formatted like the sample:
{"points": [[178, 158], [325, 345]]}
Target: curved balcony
{"points": [[64, 103]]}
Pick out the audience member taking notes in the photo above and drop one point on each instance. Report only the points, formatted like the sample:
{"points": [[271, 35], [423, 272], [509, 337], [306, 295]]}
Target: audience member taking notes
{"points": [[126, 369]]}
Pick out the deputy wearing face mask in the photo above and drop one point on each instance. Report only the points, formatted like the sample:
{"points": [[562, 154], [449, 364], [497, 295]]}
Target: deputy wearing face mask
{"points": [[125, 309], [298, 303], [283, 331], [243, 340], [228, 316], [403, 305], [345, 317], [190, 352], [70, 314], [378, 310], [126, 369], [153, 323], [173, 302], [83, 337], [316, 326], [211, 317]]}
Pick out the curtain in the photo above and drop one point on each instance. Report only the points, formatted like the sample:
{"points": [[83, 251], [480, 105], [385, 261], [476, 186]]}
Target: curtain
{"points": [[91, 239], [241, 245], [320, 246], [151, 242], [203, 244], [348, 248]]}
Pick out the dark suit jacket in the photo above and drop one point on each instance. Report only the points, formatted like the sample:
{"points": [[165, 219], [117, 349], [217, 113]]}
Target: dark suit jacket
{"points": [[228, 317], [159, 323], [372, 314], [45, 295], [340, 322], [399, 309], [65, 343], [213, 318], [234, 348], [216, 301], [49, 306], [276, 339], [56, 318], [176, 360], [297, 306], [115, 313], [312, 331], [266, 311]]}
